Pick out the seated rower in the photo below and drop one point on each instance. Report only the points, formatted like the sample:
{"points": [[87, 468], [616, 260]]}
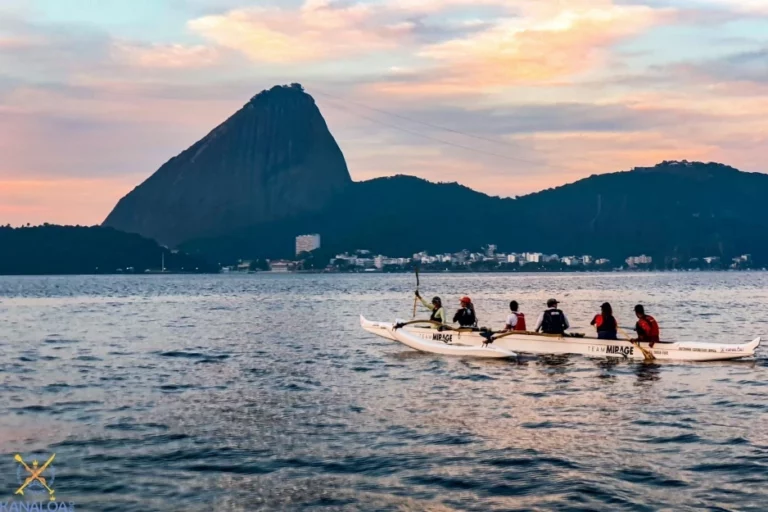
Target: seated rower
{"points": [[553, 320], [465, 315], [646, 327], [438, 312], [515, 321], [605, 323]]}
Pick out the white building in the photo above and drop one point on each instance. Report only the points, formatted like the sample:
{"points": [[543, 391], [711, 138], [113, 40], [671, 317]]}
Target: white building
{"points": [[533, 257], [365, 262], [307, 243], [570, 261], [490, 251], [587, 259], [280, 266], [634, 261], [602, 261], [512, 258]]}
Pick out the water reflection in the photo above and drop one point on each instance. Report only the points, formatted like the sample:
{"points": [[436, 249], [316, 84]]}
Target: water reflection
{"points": [[647, 372]]}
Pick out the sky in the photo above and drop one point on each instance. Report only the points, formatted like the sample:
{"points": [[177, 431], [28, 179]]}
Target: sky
{"points": [[505, 96]]}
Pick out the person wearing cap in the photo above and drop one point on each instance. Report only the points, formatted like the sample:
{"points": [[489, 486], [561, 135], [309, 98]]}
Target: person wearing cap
{"points": [[436, 307], [605, 323], [465, 315], [515, 321], [553, 320]]}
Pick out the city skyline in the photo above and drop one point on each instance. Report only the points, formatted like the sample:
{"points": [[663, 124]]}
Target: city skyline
{"points": [[96, 96]]}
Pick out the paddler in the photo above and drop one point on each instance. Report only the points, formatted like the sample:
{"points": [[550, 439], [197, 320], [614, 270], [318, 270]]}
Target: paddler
{"points": [[552, 320], [436, 307], [515, 321], [605, 323], [646, 327], [465, 315]]}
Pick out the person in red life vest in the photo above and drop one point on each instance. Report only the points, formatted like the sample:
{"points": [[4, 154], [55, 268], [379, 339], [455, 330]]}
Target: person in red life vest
{"points": [[465, 315], [605, 323], [646, 327], [515, 321]]}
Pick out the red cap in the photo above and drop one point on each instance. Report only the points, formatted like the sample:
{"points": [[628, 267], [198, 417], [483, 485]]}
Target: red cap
{"points": [[466, 300]]}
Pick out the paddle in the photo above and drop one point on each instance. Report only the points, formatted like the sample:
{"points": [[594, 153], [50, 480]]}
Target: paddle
{"points": [[443, 327], [647, 354], [416, 298]]}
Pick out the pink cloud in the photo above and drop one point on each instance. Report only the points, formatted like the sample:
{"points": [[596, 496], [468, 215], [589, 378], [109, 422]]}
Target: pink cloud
{"points": [[319, 30], [165, 56]]}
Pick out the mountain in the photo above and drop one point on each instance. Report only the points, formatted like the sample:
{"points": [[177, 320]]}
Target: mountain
{"points": [[273, 159], [672, 210], [273, 171], [53, 249]]}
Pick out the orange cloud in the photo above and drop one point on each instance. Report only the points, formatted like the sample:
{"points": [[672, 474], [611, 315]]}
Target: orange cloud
{"points": [[319, 30], [551, 42], [169, 56]]}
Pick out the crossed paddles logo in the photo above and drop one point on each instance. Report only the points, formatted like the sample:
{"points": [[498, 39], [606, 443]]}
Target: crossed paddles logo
{"points": [[32, 478]]}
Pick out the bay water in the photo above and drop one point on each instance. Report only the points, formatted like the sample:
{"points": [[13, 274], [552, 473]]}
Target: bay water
{"points": [[261, 392]]}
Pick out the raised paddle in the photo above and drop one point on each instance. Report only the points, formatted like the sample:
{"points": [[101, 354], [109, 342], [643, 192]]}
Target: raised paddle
{"points": [[647, 354], [416, 298]]}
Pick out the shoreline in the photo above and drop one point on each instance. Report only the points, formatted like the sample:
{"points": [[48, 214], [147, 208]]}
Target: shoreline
{"points": [[379, 272]]}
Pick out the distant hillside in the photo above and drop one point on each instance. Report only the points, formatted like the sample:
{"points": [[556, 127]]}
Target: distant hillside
{"points": [[675, 209], [273, 171], [273, 159], [86, 250]]}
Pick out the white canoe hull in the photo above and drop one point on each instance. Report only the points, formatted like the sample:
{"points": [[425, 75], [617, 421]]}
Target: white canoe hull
{"points": [[416, 342], [592, 347]]}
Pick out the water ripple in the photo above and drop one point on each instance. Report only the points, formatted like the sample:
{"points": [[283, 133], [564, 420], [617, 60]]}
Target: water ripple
{"points": [[241, 393]]}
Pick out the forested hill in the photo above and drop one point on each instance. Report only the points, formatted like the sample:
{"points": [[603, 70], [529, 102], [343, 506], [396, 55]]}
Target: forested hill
{"points": [[53, 249], [673, 210]]}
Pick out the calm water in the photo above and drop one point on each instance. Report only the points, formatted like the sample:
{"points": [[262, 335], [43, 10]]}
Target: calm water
{"points": [[260, 392]]}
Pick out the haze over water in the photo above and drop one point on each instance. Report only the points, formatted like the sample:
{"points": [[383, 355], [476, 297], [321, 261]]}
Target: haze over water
{"points": [[261, 392]]}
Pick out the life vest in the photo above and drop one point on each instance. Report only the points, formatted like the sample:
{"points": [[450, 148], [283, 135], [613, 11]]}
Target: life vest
{"points": [[605, 324], [465, 317], [520, 325], [554, 322], [434, 317], [649, 329]]}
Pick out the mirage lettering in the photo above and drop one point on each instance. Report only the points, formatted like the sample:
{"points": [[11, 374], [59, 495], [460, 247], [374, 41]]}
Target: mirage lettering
{"points": [[619, 350], [445, 338]]}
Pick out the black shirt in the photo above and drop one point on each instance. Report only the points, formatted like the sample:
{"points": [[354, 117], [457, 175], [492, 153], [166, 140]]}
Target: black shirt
{"points": [[465, 317]]}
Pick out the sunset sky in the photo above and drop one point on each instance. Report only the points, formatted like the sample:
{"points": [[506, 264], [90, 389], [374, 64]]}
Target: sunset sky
{"points": [[505, 96]]}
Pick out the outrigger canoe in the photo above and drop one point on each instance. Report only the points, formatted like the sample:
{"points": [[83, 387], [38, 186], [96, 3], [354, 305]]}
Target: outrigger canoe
{"points": [[532, 343]]}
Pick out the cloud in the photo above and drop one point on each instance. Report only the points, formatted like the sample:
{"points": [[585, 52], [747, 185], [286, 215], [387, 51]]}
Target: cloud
{"points": [[165, 56], [548, 44], [319, 30]]}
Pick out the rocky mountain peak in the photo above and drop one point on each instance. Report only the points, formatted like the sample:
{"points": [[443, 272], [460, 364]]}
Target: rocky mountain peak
{"points": [[274, 158]]}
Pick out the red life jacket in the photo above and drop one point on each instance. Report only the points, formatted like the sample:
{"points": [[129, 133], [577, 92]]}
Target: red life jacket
{"points": [[520, 325], [598, 321], [650, 329]]}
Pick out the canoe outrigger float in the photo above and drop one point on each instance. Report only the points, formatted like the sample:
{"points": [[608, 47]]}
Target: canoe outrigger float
{"points": [[425, 336]]}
